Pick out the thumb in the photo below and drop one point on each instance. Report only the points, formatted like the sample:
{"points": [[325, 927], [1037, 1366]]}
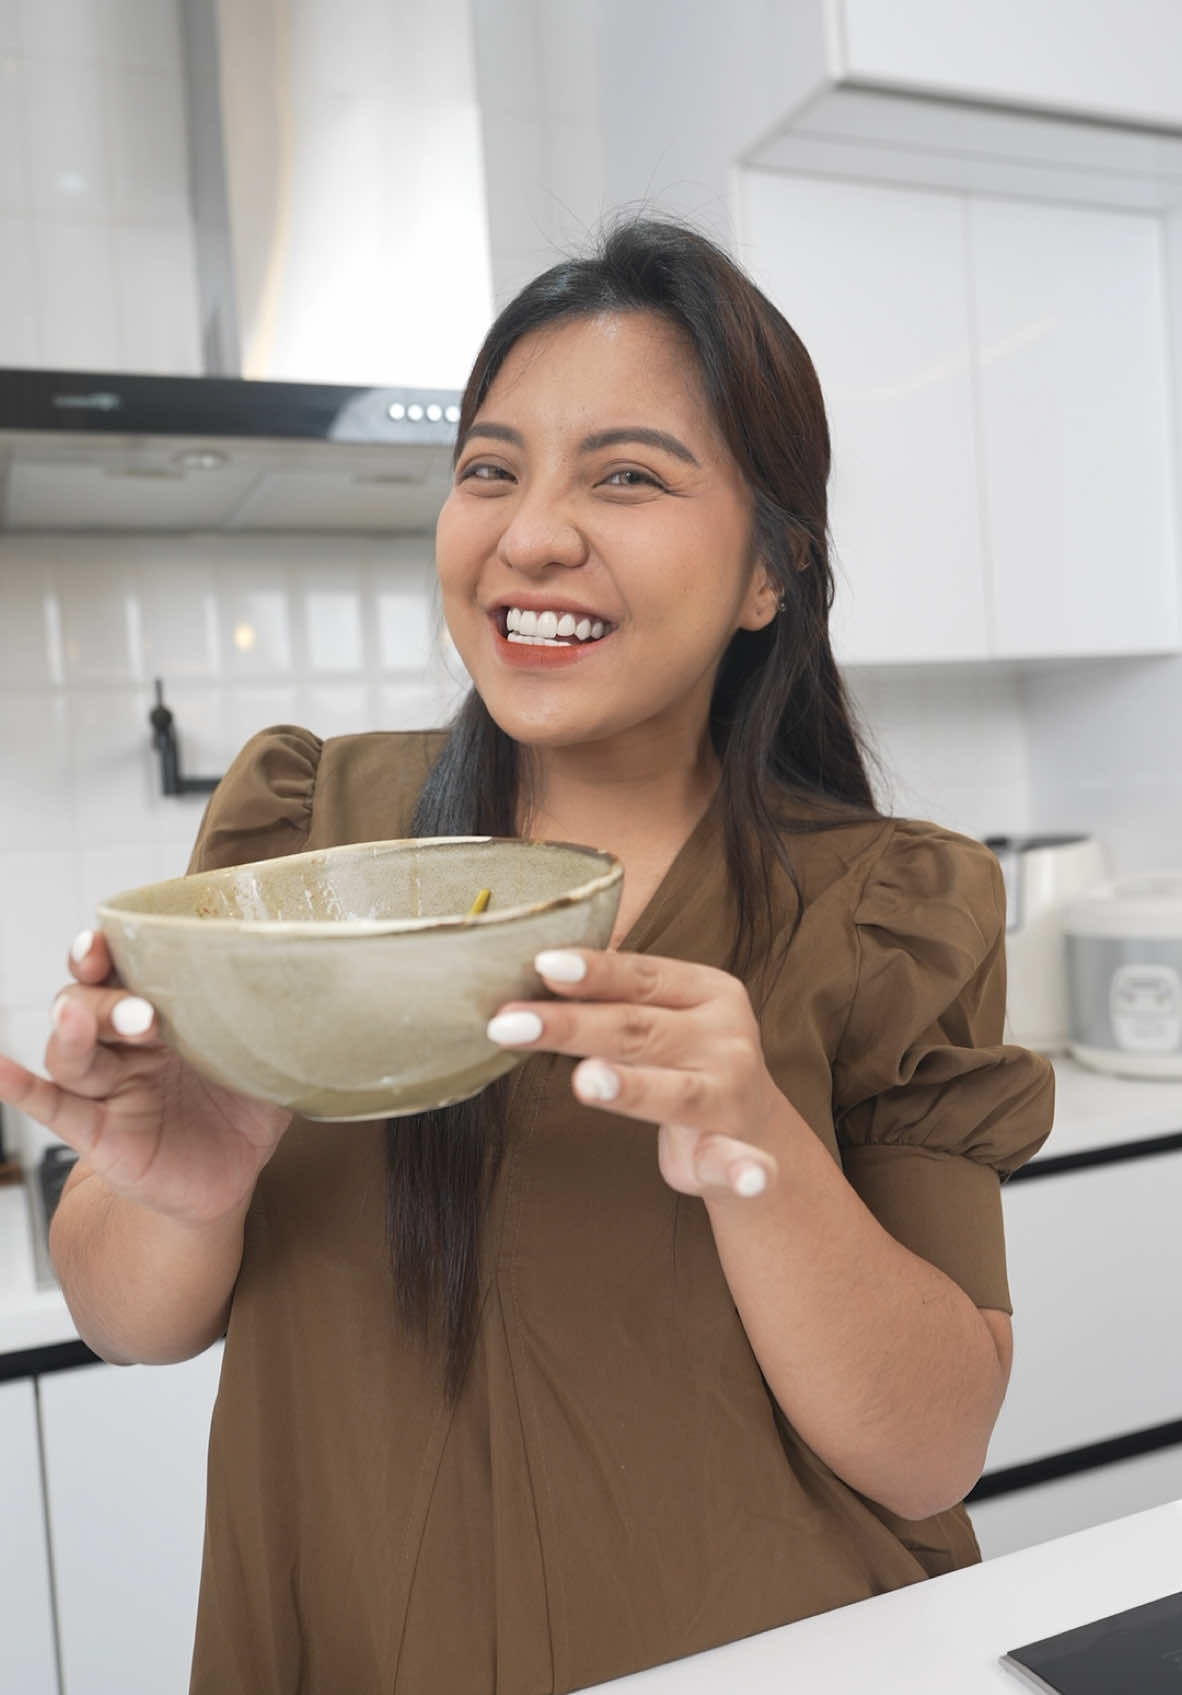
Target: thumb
{"points": [[694, 1163]]}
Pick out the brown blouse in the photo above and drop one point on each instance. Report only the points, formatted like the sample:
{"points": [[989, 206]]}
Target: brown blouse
{"points": [[616, 1486]]}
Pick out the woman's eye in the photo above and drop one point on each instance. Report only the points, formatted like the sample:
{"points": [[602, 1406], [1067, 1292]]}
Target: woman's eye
{"points": [[482, 472], [632, 479]]}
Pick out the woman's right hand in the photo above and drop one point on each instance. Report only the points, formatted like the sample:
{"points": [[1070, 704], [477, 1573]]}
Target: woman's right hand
{"points": [[143, 1120]]}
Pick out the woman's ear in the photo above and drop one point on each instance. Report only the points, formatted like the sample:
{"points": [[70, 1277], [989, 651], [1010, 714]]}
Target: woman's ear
{"points": [[763, 600]]}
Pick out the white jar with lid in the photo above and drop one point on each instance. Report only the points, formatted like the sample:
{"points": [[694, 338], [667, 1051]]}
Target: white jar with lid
{"points": [[1124, 971]]}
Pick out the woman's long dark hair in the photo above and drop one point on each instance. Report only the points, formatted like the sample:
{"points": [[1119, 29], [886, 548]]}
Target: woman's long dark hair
{"points": [[780, 721]]}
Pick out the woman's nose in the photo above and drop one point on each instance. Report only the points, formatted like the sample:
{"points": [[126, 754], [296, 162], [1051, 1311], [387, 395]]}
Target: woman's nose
{"points": [[541, 533]]}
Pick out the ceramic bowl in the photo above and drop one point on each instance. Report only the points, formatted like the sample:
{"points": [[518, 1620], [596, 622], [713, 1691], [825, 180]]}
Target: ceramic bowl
{"points": [[352, 983]]}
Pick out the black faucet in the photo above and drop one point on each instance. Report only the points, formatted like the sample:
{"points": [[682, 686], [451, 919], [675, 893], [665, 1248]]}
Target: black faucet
{"points": [[164, 737]]}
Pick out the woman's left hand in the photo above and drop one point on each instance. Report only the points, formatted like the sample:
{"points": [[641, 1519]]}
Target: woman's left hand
{"points": [[667, 1041]]}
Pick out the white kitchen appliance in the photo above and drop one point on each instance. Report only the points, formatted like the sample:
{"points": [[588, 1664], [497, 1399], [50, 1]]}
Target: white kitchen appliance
{"points": [[1043, 874], [1124, 953]]}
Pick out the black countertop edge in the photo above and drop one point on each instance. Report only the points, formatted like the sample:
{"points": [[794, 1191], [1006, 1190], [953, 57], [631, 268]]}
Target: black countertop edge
{"points": [[1008, 1479], [39, 1362], [1112, 1154]]}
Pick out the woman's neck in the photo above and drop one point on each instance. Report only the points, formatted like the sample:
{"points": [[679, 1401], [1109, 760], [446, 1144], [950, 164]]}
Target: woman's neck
{"points": [[648, 802]]}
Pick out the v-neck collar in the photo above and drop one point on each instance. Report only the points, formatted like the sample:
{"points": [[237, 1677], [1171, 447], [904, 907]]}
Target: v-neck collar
{"points": [[683, 877]]}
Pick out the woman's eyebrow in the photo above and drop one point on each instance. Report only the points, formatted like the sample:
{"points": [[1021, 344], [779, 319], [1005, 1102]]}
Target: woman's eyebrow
{"points": [[592, 443], [647, 438]]}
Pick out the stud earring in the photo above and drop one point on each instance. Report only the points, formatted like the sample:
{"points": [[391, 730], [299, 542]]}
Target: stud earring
{"points": [[782, 604]]}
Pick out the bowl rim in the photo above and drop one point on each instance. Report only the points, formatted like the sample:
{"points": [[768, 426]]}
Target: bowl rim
{"points": [[612, 873]]}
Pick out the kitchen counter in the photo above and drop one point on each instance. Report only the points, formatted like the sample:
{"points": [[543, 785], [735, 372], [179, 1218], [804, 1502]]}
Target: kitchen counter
{"points": [[1096, 1110], [1092, 1110], [945, 1635]]}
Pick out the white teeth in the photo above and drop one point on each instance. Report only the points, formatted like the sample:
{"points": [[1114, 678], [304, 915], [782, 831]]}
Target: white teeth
{"points": [[547, 625]]}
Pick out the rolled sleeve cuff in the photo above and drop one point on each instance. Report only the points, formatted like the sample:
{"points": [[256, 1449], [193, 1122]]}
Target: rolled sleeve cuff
{"points": [[944, 1207]]}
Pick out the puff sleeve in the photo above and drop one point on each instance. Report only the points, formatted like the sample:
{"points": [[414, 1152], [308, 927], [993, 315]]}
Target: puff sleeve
{"points": [[931, 1109], [262, 808]]}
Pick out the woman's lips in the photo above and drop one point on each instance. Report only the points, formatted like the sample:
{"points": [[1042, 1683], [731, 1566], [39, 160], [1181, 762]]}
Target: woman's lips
{"points": [[530, 656]]}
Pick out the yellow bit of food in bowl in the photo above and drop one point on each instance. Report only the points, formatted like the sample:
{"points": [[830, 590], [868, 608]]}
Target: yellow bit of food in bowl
{"points": [[353, 982]]}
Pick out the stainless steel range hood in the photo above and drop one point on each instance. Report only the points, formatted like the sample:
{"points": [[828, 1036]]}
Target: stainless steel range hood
{"points": [[104, 451], [337, 211]]}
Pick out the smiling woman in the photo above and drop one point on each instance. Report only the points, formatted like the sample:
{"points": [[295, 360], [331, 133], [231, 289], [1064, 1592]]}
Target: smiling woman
{"points": [[697, 1321], [641, 526]]}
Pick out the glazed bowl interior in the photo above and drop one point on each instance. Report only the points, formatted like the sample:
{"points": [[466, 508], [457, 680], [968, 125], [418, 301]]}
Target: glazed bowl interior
{"points": [[355, 982]]}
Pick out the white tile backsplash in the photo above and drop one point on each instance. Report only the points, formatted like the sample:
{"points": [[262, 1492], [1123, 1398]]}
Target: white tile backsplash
{"points": [[111, 765], [30, 615], [405, 626], [36, 802], [179, 617], [102, 627], [255, 622], [335, 709], [332, 628], [42, 911], [250, 707]]}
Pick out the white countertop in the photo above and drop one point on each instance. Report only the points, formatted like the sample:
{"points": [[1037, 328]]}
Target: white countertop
{"points": [[944, 1637], [1092, 1110]]}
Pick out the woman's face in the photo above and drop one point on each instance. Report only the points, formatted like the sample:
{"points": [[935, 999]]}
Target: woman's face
{"points": [[594, 485]]}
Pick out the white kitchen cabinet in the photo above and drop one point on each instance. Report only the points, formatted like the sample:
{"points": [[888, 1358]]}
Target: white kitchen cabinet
{"points": [[1073, 361], [874, 282], [1118, 58], [125, 1454], [1095, 1263], [1060, 1508], [27, 1657], [996, 377]]}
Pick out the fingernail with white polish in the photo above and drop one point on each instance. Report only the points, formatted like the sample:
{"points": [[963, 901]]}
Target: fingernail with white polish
{"points": [[749, 1179], [514, 1027], [82, 944], [55, 1010], [131, 1016], [560, 967], [596, 1081]]}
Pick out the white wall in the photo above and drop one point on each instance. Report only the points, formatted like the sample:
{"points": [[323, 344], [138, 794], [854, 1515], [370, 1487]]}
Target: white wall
{"points": [[343, 640], [96, 239]]}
